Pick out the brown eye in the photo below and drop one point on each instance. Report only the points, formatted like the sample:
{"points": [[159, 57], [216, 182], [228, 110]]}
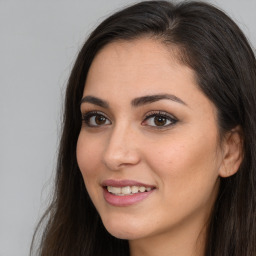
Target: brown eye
{"points": [[160, 120], [100, 120], [92, 119]]}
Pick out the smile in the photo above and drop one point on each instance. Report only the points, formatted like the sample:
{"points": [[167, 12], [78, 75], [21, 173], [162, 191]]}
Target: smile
{"points": [[127, 190]]}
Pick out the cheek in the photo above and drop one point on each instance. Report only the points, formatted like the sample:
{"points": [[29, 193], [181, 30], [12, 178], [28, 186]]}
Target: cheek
{"points": [[88, 154], [185, 166]]}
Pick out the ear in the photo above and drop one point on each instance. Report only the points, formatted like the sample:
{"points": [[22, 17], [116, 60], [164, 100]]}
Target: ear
{"points": [[232, 152]]}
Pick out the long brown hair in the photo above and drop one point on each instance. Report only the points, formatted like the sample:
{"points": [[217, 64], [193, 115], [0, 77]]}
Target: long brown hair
{"points": [[215, 48]]}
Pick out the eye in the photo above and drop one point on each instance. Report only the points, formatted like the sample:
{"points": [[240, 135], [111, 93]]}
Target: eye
{"points": [[159, 119], [95, 119]]}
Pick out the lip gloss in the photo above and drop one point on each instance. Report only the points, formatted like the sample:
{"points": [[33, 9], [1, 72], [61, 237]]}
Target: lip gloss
{"points": [[125, 200]]}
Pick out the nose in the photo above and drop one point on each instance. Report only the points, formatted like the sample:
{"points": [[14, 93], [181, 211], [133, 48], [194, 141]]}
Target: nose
{"points": [[122, 148]]}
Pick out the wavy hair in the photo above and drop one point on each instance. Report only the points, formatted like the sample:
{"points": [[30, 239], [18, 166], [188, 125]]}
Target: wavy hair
{"points": [[212, 45]]}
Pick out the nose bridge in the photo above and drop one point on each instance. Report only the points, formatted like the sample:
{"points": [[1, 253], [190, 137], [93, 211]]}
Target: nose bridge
{"points": [[121, 149]]}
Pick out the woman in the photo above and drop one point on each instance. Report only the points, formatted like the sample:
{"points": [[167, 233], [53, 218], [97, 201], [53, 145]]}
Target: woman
{"points": [[157, 155]]}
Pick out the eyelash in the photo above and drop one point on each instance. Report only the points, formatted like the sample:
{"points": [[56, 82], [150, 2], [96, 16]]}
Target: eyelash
{"points": [[166, 117], [160, 114], [87, 116]]}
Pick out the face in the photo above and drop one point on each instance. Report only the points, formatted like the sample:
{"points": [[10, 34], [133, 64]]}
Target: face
{"points": [[148, 148]]}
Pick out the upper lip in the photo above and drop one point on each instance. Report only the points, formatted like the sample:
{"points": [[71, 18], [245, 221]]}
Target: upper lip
{"points": [[124, 183]]}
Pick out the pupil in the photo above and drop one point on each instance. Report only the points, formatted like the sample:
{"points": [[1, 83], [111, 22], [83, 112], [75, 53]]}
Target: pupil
{"points": [[160, 121], [100, 120]]}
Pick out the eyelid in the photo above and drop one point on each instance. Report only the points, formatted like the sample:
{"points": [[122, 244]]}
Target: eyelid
{"points": [[91, 112], [160, 113], [86, 115], [164, 114]]}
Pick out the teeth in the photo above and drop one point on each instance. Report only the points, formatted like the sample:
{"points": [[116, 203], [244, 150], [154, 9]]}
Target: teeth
{"points": [[127, 190], [115, 190], [142, 189], [135, 189]]}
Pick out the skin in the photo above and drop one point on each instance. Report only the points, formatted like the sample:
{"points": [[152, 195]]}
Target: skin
{"points": [[182, 160]]}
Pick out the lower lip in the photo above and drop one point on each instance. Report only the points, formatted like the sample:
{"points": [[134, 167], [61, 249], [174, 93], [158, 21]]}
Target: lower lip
{"points": [[126, 200]]}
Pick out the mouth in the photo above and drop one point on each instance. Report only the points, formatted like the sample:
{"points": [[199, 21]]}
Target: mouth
{"points": [[125, 192]]}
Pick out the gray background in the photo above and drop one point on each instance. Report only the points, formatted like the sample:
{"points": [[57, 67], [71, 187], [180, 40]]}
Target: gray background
{"points": [[39, 42]]}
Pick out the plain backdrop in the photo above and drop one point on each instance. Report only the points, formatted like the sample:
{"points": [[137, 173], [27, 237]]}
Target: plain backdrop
{"points": [[39, 41]]}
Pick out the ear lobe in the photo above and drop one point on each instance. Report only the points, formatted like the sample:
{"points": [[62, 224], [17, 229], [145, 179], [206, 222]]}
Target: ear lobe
{"points": [[232, 153]]}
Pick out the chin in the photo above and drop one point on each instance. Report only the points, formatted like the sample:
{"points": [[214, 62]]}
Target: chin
{"points": [[123, 230], [123, 234]]}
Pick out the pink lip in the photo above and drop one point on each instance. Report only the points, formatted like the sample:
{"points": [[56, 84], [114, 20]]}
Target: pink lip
{"points": [[125, 200]]}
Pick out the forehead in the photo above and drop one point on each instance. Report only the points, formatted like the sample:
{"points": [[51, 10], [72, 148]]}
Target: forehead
{"points": [[136, 63], [143, 48]]}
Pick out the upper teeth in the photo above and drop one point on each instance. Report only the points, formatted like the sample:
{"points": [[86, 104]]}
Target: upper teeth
{"points": [[127, 190]]}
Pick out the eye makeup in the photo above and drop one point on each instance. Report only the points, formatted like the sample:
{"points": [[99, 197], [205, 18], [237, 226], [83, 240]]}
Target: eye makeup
{"points": [[159, 119]]}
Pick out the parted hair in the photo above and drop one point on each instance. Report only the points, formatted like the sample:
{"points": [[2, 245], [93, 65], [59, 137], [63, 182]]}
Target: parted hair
{"points": [[210, 43]]}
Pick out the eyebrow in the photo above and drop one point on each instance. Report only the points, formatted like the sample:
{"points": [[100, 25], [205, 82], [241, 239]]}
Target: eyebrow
{"points": [[152, 98], [95, 101], [140, 101]]}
